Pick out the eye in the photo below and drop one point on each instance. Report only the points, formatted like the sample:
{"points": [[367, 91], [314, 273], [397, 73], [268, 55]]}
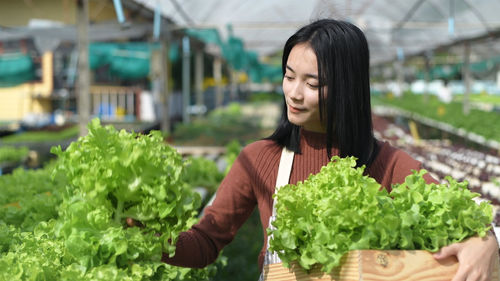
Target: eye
{"points": [[313, 86], [289, 78]]}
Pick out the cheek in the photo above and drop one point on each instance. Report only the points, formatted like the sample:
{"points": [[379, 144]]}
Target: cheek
{"points": [[312, 99]]}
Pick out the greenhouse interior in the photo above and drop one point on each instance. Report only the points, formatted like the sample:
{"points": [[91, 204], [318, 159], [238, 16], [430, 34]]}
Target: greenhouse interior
{"points": [[141, 139]]}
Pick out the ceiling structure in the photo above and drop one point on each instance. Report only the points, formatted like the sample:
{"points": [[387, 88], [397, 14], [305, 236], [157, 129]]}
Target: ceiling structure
{"points": [[394, 28]]}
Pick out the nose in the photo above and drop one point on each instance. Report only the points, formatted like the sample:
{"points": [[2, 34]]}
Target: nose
{"points": [[295, 90]]}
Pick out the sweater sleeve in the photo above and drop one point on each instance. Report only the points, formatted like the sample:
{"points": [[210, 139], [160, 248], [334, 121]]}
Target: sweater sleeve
{"points": [[404, 164], [233, 204], [392, 165]]}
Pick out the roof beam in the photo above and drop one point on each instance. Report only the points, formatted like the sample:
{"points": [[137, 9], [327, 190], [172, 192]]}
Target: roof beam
{"points": [[408, 15], [478, 14], [183, 14]]}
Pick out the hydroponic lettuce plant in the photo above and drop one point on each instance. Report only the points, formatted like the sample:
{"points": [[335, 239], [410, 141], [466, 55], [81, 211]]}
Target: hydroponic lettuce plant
{"points": [[28, 197], [114, 174], [11, 154], [202, 172], [110, 176], [339, 209]]}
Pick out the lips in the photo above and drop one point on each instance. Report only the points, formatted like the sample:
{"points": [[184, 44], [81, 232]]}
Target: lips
{"points": [[295, 109]]}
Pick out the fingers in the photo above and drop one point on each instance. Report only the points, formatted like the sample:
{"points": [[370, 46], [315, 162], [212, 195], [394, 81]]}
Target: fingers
{"points": [[131, 223], [467, 272], [451, 250], [475, 257], [461, 274]]}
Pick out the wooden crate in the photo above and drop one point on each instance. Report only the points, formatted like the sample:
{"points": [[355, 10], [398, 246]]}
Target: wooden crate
{"points": [[375, 265]]}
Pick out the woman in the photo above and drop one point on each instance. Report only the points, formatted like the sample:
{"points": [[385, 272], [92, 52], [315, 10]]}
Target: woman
{"points": [[326, 112]]}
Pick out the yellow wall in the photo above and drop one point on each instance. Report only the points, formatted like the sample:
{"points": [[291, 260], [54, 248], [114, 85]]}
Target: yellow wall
{"points": [[102, 10], [17, 102], [34, 97], [19, 12]]}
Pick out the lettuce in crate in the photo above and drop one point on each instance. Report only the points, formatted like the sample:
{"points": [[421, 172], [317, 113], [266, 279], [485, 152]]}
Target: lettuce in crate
{"points": [[340, 209]]}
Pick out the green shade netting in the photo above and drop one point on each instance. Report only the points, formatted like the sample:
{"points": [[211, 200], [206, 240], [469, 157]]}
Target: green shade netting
{"points": [[272, 73], [233, 50], [442, 71], [15, 69], [174, 53], [234, 53], [207, 35], [126, 60], [450, 71], [131, 60]]}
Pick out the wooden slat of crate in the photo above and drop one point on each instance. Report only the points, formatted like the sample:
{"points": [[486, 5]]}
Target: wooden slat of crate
{"points": [[375, 265], [349, 271], [406, 265]]}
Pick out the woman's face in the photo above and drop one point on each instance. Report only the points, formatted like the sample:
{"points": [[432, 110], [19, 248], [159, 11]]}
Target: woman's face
{"points": [[301, 88]]}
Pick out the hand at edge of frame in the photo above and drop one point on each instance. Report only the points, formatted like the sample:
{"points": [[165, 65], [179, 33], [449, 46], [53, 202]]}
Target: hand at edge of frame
{"points": [[476, 257]]}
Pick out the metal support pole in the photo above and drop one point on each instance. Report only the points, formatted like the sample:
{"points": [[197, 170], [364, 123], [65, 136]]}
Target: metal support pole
{"points": [[156, 85], [219, 94], [83, 85], [234, 87], [157, 22], [159, 86], [466, 78], [119, 11], [186, 91], [165, 93], [400, 77], [451, 19], [199, 76], [427, 74]]}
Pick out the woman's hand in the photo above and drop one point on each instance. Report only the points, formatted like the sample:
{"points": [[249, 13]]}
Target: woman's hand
{"points": [[476, 257], [131, 223]]}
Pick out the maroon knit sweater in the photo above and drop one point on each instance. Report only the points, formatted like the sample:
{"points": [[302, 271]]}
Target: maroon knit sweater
{"points": [[251, 182]]}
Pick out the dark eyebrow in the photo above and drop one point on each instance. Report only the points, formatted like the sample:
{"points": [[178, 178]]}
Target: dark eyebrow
{"points": [[307, 75]]}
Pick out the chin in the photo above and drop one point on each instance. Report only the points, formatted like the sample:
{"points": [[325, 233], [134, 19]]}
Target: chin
{"points": [[298, 124], [294, 121]]}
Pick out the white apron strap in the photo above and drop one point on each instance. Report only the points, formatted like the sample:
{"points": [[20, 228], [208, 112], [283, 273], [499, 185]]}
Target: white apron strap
{"points": [[285, 168], [284, 171]]}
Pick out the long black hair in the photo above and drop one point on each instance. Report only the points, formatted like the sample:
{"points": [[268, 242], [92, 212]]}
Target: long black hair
{"points": [[343, 66]]}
